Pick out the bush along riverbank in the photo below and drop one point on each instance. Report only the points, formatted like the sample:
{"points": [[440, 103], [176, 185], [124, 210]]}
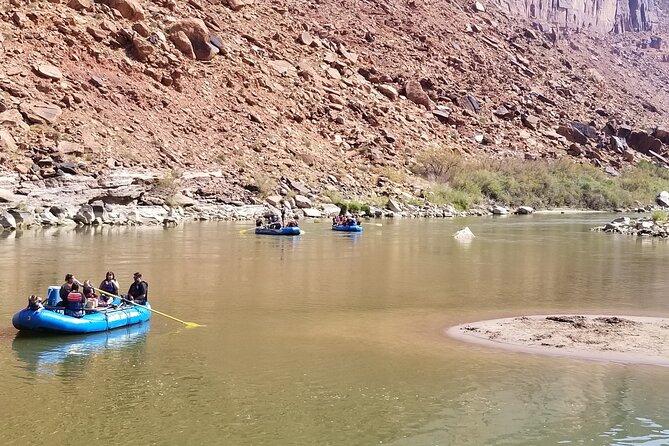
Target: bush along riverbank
{"points": [[441, 186]]}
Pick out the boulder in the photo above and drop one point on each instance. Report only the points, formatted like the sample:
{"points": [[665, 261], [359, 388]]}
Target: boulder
{"points": [[302, 202], [524, 210], [662, 133], [393, 206], [499, 210], [7, 220], [311, 212], [469, 103], [182, 200], [618, 144], [662, 199], [12, 118], [23, 219], [388, 91], [642, 142], [7, 143], [79, 5], [85, 215], [7, 196], [415, 93], [274, 200], [198, 34], [129, 9], [48, 71], [531, 122], [330, 210], [464, 234], [181, 41], [142, 49], [589, 131], [572, 134], [40, 112]]}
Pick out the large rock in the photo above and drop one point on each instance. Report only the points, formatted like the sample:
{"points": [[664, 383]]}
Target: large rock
{"points": [[388, 91], [23, 219], [469, 103], [85, 215], [464, 234], [7, 196], [79, 5], [40, 112], [198, 34], [499, 210], [662, 199], [311, 212], [662, 133], [142, 49], [643, 142], [182, 42], [129, 9], [12, 118], [330, 210], [7, 143], [393, 205], [302, 202], [7, 220], [48, 71], [415, 93], [572, 134]]}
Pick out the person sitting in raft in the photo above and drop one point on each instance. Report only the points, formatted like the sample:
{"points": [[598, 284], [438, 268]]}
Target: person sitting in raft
{"points": [[138, 290], [89, 294], [274, 222], [258, 222], [75, 302], [109, 285], [66, 288], [291, 224]]}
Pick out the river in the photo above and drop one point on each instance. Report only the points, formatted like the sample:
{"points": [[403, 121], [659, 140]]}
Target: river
{"points": [[333, 339]]}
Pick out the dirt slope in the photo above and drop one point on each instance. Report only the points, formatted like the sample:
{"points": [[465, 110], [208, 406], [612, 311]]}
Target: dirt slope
{"points": [[340, 95]]}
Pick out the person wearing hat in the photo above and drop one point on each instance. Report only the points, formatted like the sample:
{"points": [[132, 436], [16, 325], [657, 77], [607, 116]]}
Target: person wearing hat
{"points": [[138, 290], [66, 288]]}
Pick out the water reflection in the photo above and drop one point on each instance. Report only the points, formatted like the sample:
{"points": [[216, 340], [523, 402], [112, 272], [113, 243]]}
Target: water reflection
{"points": [[52, 355]]}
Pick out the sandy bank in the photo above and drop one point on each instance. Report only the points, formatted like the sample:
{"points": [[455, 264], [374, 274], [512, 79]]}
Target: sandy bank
{"points": [[628, 339]]}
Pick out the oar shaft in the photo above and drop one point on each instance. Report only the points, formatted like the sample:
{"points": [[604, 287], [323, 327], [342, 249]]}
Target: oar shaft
{"points": [[145, 307]]}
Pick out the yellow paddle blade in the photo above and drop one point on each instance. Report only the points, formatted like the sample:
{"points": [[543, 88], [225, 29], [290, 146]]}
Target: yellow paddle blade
{"points": [[302, 232], [242, 231]]}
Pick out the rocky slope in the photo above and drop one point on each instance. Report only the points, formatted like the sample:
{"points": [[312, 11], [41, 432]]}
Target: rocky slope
{"points": [[238, 100]]}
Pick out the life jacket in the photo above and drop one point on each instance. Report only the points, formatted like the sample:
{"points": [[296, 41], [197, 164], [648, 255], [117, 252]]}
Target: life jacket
{"points": [[75, 305]]}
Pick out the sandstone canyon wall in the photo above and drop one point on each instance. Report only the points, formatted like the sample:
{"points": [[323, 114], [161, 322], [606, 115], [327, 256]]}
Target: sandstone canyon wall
{"points": [[616, 16]]}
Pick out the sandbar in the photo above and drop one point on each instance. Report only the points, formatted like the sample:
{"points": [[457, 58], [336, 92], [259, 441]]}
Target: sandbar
{"points": [[625, 339]]}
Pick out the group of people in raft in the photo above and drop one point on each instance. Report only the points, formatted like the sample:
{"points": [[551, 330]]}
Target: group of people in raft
{"points": [[273, 221], [345, 220], [76, 297]]}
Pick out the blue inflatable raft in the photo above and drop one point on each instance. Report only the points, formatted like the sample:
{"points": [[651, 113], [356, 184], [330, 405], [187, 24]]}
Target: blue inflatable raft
{"points": [[283, 231], [347, 228], [52, 318]]}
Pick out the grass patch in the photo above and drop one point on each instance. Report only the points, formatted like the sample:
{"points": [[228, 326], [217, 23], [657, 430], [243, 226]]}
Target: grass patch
{"points": [[540, 184], [659, 216]]}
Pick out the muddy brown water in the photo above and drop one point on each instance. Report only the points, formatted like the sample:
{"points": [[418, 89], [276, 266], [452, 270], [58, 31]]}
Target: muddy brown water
{"points": [[333, 339]]}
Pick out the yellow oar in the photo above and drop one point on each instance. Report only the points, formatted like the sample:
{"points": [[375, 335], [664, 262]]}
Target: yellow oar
{"points": [[187, 324], [242, 231]]}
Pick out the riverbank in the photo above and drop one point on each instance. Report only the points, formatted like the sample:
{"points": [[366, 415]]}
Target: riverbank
{"points": [[626, 339], [158, 197]]}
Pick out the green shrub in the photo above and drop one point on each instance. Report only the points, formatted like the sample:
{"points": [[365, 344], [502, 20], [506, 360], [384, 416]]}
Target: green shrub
{"points": [[659, 216]]}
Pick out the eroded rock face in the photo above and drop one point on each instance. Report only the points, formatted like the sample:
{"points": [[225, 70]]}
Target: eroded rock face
{"points": [[596, 15]]}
